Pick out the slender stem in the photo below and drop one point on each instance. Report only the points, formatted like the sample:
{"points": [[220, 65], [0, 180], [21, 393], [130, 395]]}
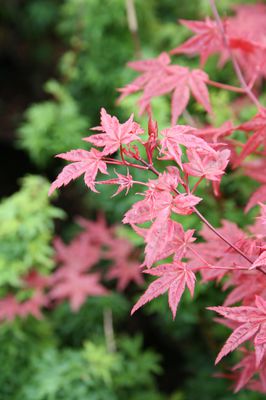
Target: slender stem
{"points": [[236, 66], [209, 266], [197, 184], [225, 86], [237, 143], [206, 222], [122, 154], [125, 163]]}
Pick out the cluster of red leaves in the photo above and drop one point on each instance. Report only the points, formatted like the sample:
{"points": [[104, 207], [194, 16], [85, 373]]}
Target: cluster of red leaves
{"points": [[73, 279], [10, 306], [227, 254]]}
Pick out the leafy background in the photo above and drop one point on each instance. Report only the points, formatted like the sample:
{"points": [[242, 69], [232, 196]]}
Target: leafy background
{"points": [[60, 62]]}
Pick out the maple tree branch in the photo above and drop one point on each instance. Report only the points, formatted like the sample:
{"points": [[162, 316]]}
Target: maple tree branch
{"points": [[197, 184], [124, 163], [237, 143], [225, 86], [236, 66], [209, 266], [205, 221]]}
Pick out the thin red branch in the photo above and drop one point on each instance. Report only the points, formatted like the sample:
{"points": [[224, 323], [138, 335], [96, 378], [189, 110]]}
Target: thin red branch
{"points": [[225, 86], [236, 66]]}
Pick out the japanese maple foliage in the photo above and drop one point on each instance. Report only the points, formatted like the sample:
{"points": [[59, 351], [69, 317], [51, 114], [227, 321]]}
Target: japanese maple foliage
{"points": [[76, 276], [186, 156]]}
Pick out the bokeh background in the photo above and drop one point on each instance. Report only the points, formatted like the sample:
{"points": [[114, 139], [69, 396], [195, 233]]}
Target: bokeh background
{"points": [[60, 62]]}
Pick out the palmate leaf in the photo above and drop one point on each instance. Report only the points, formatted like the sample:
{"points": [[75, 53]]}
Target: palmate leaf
{"points": [[257, 197], [211, 166], [185, 136], [207, 39], [258, 126], [260, 261], [113, 133], [159, 77], [239, 335], [76, 287], [83, 162], [252, 321], [173, 278]]}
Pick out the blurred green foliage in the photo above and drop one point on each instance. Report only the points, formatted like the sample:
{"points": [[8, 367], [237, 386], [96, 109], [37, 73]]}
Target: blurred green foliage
{"points": [[52, 126], [26, 230], [39, 367]]}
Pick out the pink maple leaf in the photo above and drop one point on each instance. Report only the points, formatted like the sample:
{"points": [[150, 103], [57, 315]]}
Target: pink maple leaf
{"points": [[183, 203], [125, 271], [252, 321], [149, 208], [9, 308], [210, 165], [258, 126], [182, 135], [76, 287], [79, 255], [172, 278], [207, 39], [157, 237], [118, 248], [211, 134], [256, 169], [260, 261], [97, 231], [246, 368], [83, 162], [163, 239], [125, 182], [35, 280], [256, 198], [33, 305], [159, 78], [114, 134]]}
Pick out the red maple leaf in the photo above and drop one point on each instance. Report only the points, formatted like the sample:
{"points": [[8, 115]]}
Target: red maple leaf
{"points": [[207, 39], [260, 261], [258, 126], [125, 271], [9, 308], [97, 231], [79, 255], [181, 135], [84, 162], [256, 198], [124, 182], [163, 239], [149, 208], [76, 287], [113, 133], [252, 321], [256, 169], [158, 78], [211, 166], [172, 278]]}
